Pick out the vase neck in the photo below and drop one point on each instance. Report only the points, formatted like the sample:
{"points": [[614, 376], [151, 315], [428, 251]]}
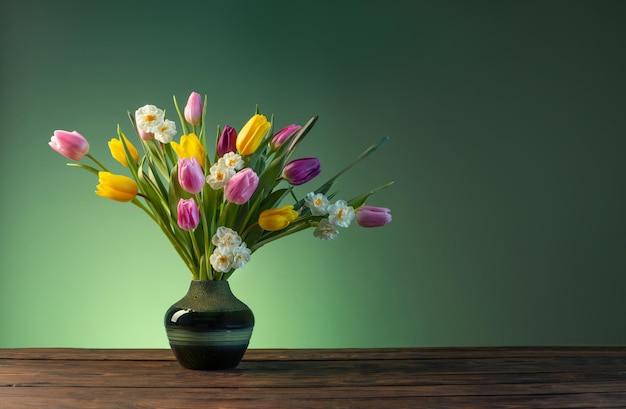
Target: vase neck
{"points": [[206, 294], [209, 285]]}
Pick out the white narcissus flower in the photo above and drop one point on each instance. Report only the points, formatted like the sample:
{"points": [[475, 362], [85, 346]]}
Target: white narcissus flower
{"points": [[219, 175], [340, 213], [231, 160], [221, 259], [230, 251], [149, 118], [325, 230], [226, 237], [318, 203], [240, 255], [166, 132]]}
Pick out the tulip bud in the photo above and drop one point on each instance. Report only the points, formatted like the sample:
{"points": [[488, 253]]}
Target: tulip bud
{"points": [[72, 145], [277, 219], [119, 153], [189, 147], [116, 187], [252, 134], [372, 216], [227, 142], [241, 186], [283, 135], [190, 175], [146, 136], [300, 171], [193, 109], [188, 216]]}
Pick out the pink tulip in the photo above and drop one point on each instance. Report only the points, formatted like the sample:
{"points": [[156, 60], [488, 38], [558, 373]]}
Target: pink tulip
{"points": [[188, 216], [193, 109], [72, 145], [190, 175], [146, 136], [227, 142], [300, 171], [241, 186], [372, 216], [283, 135]]}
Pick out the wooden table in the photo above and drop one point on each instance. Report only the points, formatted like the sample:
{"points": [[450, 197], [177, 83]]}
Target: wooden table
{"points": [[323, 378]]}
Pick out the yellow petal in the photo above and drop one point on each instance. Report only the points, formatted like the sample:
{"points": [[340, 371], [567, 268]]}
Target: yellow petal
{"points": [[116, 187], [277, 219], [251, 135]]}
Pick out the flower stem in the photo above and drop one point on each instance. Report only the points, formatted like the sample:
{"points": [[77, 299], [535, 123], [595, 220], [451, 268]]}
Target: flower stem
{"points": [[196, 249], [305, 224], [293, 194], [205, 230], [97, 162]]}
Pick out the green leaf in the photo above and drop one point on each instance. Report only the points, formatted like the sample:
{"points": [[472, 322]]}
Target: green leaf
{"points": [[299, 136], [130, 161], [360, 200], [181, 117], [330, 182], [273, 199], [175, 192], [86, 167], [202, 136]]}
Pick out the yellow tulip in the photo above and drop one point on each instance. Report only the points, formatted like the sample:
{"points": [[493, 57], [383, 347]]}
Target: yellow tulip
{"points": [[117, 151], [251, 135], [277, 219], [116, 187], [189, 147]]}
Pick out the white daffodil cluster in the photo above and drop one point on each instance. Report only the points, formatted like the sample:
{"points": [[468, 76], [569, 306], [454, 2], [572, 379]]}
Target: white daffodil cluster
{"points": [[339, 214], [230, 251], [224, 169], [151, 121]]}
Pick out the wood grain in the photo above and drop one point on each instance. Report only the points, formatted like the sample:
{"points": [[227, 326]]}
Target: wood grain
{"points": [[574, 377]]}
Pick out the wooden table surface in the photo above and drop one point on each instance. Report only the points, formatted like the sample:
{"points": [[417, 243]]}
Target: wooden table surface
{"points": [[553, 377]]}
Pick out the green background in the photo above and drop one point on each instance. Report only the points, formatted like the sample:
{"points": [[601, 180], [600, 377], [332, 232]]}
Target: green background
{"points": [[507, 150]]}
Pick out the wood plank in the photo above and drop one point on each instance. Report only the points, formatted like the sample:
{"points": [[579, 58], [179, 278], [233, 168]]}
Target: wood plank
{"points": [[337, 392], [277, 398], [321, 354], [554, 377], [301, 374]]}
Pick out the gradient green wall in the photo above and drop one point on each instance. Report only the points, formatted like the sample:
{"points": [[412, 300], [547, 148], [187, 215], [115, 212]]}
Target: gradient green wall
{"points": [[507, 148]]}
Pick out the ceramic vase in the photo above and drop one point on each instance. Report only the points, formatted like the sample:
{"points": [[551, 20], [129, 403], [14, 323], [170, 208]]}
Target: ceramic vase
{"points": [[209, 328]]}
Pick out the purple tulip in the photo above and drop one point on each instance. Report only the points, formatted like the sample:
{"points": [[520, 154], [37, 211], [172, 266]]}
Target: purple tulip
{"points": [[227, 142], [193, 109], [283, 135], [241, 186], [300, 171], [188, 215], [72, 145], [372, 216], [190, 175]]}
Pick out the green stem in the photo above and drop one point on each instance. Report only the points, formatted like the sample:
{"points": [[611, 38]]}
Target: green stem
{"points": [[179, 249], [207, 243], [144, 208], [97, 162], [299, 227], [247, 231], [293, 194], [196, 249], [223, 211]]}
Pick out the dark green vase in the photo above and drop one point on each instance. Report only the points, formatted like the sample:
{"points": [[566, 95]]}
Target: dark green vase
{"points": [[209, 328]]}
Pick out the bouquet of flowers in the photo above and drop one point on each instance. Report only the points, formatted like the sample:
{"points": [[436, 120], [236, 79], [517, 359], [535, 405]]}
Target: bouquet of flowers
{"points": [[219, 203]]}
